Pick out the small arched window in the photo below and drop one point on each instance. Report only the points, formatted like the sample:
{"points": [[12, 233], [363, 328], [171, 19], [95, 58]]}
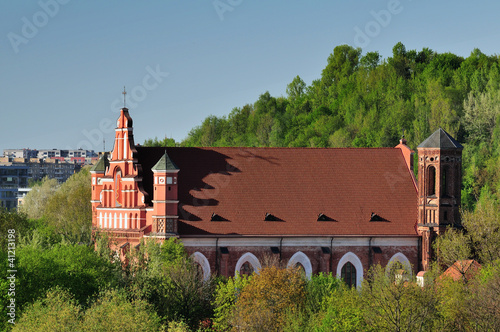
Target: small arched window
{"points": [[348, 274]]}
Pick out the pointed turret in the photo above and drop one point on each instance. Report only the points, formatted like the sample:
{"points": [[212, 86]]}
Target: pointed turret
{"points": [[165, 200], [165, 164], [101, 165], [97, 172]]}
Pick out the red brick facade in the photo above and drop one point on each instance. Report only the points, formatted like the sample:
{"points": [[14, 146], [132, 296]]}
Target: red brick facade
{"points": [[234, 208]]}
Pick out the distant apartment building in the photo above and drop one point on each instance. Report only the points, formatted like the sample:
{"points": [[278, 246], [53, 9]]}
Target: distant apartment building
{"points": [[76, 156], [15, 172], [13, 177]]}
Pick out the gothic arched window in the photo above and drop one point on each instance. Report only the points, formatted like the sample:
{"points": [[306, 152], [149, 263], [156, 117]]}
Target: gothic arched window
{"points": [[348, 274], [246, 269]]}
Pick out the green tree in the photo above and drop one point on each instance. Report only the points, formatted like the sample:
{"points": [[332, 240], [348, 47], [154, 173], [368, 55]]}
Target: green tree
{"points": [[482, 306], [74, 267], [226, 295], [370, 60], [69, 210], [483, 230], [166, 142], [393, 304], [57, 311], [164, 276], [342, 310], [296, 88], [268, 297], [480, 115], [453, 246], [113, 311], [35, 202]]}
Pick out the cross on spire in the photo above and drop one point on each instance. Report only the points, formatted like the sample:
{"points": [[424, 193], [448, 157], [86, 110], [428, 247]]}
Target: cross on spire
{"points": [[124, 93]]}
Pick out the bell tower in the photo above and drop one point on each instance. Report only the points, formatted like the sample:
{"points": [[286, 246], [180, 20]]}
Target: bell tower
{"points": [[439, 188]]}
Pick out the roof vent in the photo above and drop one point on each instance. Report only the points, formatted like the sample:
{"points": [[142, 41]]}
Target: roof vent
{"points": [[271, 217], [375, 217], [324, 217], [216, 217]]}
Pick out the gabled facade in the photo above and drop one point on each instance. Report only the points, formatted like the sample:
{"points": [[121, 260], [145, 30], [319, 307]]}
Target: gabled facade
{"points": [[330, 210]]}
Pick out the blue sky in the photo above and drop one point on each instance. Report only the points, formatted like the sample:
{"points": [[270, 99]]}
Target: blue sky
{"points": [[64, 62]]}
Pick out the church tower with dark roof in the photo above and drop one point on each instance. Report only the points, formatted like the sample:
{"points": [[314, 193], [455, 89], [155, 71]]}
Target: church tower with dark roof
{"points": [[439, 188]]}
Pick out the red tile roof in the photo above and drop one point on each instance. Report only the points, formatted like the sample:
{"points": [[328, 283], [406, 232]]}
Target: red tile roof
{"points": [[460, 269], [295, 185]]}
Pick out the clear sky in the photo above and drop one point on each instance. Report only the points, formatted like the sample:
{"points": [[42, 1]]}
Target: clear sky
{"points": [[64, 63]]}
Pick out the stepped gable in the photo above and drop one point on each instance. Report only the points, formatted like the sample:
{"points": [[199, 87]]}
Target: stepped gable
{"points": [[244, 185]]}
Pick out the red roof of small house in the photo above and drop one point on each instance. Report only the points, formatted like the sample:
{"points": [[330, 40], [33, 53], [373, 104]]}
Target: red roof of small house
{"points": [[284, 191], [468, 268]]}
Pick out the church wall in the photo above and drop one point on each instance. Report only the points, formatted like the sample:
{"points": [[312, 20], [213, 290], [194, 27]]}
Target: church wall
{"points": [[320, 261]]}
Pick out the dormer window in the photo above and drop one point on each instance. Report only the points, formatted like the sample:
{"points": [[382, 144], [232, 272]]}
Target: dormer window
{"points": [[216, 217], [270, 217], [324, 217], [375, 217]]}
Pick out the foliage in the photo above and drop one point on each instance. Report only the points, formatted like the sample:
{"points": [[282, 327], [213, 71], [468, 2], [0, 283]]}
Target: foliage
{"points": [[34, 205], [58, 311], [63, 210], [69, 210], [112, 311], [394, 304], [10, 219], [479, 239], [341, 311], [483, 229], [320, 287], [166, 142], [263, 303], [164, 276], [226, 295], [452, 246], [483, 305], [76, 268]]}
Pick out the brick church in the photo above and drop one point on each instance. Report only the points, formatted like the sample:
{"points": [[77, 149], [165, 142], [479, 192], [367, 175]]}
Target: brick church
{"points": [[323, 209]]}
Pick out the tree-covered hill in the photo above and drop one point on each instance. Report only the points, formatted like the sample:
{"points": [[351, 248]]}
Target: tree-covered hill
{"points": [[365, 101]]}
